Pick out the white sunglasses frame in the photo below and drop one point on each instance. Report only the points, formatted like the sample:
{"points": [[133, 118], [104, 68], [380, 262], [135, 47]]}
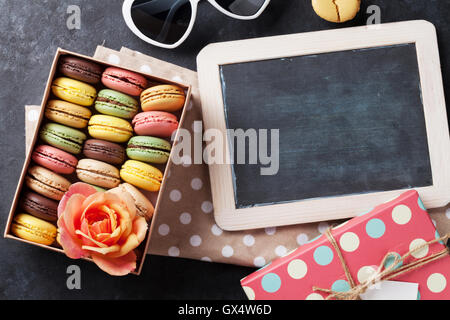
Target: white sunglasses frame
{"points": [[126, 12]]}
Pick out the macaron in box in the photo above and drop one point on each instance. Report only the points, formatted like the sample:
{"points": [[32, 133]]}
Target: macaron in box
{"points": [[83, 134], [149, 149], [116, 104], [155, 123]]}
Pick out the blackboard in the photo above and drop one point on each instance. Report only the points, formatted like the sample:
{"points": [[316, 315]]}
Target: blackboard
{"points": [[351, 122], [361, 116]]}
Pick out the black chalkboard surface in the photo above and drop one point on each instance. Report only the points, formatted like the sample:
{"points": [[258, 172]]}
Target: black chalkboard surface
{"points": [[351, 122]]}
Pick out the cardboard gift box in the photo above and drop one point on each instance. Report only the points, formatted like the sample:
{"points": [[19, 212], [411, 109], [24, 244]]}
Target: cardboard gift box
{"points": [[389, 230], [155, 197]]}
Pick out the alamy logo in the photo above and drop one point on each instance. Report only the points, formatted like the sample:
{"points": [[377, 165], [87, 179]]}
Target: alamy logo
{"points": [[375, 15], [253, 147], [74, 280], [74, 20]]}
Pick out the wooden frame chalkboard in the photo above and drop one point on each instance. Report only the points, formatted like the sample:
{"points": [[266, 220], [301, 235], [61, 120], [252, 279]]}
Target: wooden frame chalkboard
{"points": [[219, 66]]}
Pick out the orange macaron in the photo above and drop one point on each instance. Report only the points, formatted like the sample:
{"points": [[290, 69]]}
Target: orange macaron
{"points": [[167, 98]]}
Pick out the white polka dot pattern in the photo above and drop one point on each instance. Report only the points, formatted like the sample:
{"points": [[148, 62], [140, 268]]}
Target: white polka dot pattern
{"points": [[349, 242], [196, 184], [227, 251], [297, 269], [302, 239], [185, 218], [323, 226], [270, 231], [249, 292], [216, 230], [280, 251], [164, 230], [415, 244], [114, 59], [315, 296], [146, 68], [207, 207], [436, 283], [365, 273], [196, 241], [249, 240], [401, 214], [175, 195], [174, 252], [259, 262]]}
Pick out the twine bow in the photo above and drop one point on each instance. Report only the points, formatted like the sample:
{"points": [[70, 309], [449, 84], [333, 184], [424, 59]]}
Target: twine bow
{"points": [[395, 269]]}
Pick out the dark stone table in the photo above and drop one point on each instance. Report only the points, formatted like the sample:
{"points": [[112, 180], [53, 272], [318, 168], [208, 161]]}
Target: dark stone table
{"points": [[30, 33]]}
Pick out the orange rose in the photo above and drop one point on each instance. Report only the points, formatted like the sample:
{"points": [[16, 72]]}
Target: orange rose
{"points": [[101, 225]]}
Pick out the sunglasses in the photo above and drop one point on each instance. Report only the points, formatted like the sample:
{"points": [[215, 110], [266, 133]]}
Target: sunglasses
{"points": [[168, 23]]}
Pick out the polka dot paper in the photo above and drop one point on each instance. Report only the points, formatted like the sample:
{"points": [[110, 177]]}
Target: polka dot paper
{"points": [[395, 227]]}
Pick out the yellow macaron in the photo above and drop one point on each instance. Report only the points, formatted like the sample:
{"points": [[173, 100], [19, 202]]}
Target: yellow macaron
{"points": [[110, 128], [142, 175], [67, 113], [336, 10], [74, 91], [167, 98], [33, 229]]}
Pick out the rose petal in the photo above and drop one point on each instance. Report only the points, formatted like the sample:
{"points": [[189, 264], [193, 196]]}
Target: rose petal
{"points": [[130, 244], [103, 237], [90, 240], [112, 222], [127, 201], [135, 239], [93, 202], [72, 213], [125, 222], [103, 251], [140, 228], [112, 238], [118, 266], [130, 204], [72, 247], [97, 201], [85, 230], [77, 188]]}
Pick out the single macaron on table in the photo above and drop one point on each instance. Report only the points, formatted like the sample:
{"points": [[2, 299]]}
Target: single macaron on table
{"points": [[102, 128]]}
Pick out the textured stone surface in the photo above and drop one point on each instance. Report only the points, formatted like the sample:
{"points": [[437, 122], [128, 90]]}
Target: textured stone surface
{"points": [[31, 32]]}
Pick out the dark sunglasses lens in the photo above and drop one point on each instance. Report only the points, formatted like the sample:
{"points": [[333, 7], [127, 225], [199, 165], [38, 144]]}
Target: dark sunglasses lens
{"points": [[164, 21], [242, 7]]}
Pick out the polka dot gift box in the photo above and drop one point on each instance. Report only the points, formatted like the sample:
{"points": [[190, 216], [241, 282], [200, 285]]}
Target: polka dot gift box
{"points": [[378, 237]]}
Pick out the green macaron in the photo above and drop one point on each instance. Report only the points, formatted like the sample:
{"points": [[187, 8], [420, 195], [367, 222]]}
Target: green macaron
{"points": [[149, 149], [113, 103], [62, 137]]}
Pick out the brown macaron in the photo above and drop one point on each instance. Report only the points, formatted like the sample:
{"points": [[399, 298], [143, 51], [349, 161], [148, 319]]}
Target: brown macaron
{"points": [[47, 183], [80, 69], [39, 206], [104, 151]]}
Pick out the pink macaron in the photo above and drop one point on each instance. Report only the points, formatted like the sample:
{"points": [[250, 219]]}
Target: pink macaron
{"points": [[155, 123], [124, 81], [54, 159]]}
